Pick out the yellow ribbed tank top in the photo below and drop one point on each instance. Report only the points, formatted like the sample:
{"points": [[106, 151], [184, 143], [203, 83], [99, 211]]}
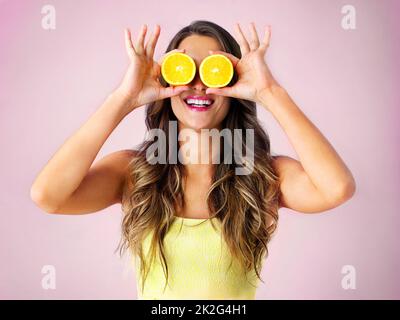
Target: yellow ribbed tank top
{"points": [[198, 265]]}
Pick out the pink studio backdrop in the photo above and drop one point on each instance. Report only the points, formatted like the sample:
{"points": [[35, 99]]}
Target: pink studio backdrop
{"points": [[344, 80]]}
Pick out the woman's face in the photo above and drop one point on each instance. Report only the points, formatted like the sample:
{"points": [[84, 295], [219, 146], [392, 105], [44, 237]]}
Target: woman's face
{"points": [[204, 117]]}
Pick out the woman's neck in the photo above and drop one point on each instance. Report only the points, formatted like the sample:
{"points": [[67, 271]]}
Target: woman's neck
{"points": [[198, 149]]}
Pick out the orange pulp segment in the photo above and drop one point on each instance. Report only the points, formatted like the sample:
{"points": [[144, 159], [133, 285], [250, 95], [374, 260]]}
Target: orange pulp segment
{"points": [[178, 69], [216, 71]]}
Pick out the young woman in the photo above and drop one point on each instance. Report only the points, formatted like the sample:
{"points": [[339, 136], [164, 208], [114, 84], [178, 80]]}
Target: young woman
{"points": [[196, 230]]}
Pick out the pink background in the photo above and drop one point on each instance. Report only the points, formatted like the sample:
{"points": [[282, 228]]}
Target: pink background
{"points": [[344, 80]]}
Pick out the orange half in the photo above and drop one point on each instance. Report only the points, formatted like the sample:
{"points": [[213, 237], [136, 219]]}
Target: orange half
{"points": [[178, 68], [216, 71]]}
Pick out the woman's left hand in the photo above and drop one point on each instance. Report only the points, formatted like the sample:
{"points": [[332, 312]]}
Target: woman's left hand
{"points": [[254, 76]]}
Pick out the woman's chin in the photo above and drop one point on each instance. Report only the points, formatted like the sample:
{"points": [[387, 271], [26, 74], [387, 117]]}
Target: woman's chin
{"points": [[198, 125]]}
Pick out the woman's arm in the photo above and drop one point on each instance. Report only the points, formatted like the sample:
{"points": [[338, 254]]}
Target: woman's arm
{"points": [[66, 185], [69, 183], [320, 180]]}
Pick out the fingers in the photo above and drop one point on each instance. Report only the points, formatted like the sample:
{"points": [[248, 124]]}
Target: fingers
{"points": [[128, 43], [160, 61], [172, 91], [231, 57], [244, 45], [139, 46], [267, 37], [226, 92], [151, 44], [254, 43]]}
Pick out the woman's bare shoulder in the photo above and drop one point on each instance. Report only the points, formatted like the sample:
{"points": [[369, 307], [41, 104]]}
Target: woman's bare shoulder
{"points": [[121, 159], [102, 186], [125, 154]]}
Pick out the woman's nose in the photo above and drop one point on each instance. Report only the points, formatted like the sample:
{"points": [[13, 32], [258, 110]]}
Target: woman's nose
{"points": [[197, 84]]}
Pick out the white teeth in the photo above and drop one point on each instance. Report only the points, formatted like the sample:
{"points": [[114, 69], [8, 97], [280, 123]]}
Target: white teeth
{"points": [[199, 102]]}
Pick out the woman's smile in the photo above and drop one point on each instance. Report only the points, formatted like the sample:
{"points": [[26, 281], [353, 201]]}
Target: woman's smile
{"points": [[198, 103]]}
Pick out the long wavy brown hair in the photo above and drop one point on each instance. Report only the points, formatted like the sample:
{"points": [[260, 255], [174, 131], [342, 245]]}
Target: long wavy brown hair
{"points": [[246, 205]]}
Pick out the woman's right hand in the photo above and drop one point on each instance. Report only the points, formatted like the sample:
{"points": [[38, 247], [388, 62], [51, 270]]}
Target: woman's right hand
{"points": [[141, 84]]}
